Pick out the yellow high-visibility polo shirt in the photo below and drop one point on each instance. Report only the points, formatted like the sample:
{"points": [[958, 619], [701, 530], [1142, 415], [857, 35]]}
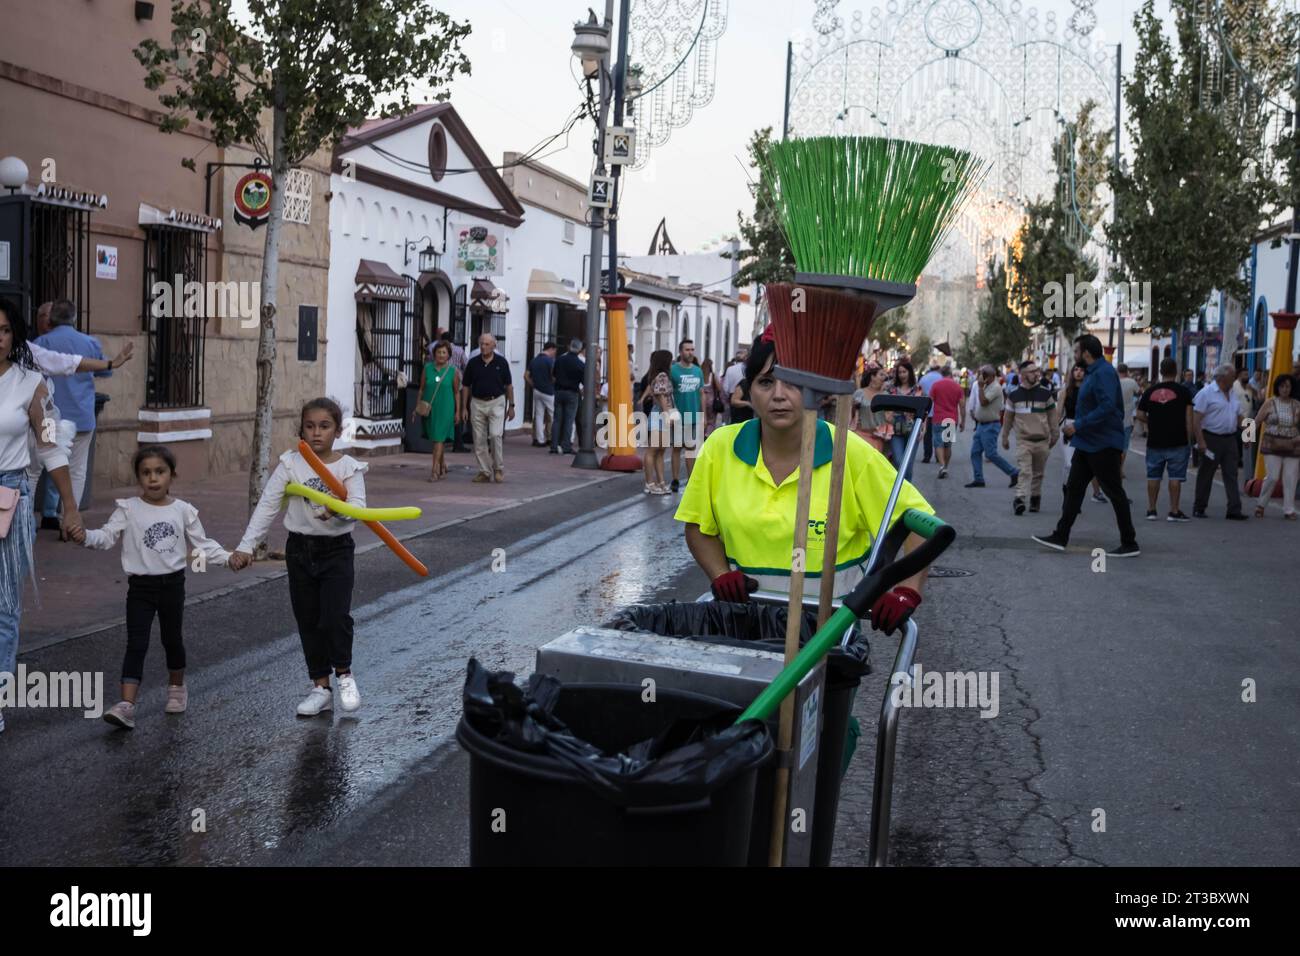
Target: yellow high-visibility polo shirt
{"points": [[731, 495]]}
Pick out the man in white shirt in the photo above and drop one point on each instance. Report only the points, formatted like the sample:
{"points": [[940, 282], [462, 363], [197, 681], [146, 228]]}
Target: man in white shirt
{"points": [[1130, 389], [1216, 419]]}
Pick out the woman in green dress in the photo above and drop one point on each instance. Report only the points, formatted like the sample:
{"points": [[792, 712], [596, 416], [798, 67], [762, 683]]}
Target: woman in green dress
{"points": [[440, 389]]}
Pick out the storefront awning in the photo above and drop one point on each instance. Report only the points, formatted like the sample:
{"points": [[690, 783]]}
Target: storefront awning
{"points": [[545, 286], [177, 218], [376, 280]]}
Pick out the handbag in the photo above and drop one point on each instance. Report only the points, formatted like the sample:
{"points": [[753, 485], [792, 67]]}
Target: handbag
{"points": [[9, 498]]}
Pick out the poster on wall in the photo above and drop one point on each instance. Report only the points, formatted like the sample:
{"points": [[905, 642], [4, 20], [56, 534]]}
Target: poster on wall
{"points": [[253, 199], [105, 262], [478, 251]]}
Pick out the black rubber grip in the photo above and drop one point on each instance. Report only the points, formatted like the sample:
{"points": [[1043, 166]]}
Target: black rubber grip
{"points": [[917, 405]]}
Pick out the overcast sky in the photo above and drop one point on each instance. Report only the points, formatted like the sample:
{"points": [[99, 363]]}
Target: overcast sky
{"points": [[523, 87]]}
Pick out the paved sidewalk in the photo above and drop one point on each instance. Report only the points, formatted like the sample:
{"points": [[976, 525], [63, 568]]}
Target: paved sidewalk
{"points": [[83, 591]]}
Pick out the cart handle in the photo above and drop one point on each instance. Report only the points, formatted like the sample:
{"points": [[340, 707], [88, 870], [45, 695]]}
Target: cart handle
{"points": [[917, 405], [856, 605]]}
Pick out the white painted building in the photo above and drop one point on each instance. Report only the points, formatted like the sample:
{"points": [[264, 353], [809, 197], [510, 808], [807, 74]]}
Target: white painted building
{"points": [[403, 192]]}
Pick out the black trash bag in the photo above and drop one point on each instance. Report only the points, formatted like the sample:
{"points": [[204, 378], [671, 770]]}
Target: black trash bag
{"points": [[699, 755], [742, 625]]}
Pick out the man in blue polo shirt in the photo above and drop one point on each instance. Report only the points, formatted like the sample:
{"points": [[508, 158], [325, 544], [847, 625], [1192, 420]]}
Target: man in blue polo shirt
{"points": [[73, 394], [1097, 436]]}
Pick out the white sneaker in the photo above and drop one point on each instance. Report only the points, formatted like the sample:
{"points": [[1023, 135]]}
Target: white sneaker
{"points": [[349, 696], [320, 699]]}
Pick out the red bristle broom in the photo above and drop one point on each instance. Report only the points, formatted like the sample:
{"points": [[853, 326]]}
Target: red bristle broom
{"points": [[863, 216]]}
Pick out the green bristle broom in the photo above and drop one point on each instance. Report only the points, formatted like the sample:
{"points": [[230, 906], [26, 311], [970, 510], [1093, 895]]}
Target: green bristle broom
{"points": [[863, 216]]}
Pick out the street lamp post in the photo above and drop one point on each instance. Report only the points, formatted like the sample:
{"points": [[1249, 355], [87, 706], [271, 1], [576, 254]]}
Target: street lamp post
{"points": [[591, 45]]}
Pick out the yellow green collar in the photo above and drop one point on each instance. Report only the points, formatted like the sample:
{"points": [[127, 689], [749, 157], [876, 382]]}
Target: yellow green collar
{"points": [[747, 443]]}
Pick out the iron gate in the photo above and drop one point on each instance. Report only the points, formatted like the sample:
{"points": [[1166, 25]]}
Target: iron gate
{"points": [[388, 336], [61, 257]]}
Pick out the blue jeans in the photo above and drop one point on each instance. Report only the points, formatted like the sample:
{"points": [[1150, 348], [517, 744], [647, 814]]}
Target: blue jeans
{"points": [[566, 413], [15, 562], [898, 448], [984, 444]]}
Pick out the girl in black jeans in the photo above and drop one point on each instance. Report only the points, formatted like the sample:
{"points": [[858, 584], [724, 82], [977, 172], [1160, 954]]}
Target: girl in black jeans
{"points": [[155, 529], [318, 555]]}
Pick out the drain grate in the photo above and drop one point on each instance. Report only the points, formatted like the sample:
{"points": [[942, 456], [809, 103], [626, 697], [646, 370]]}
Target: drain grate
{"points": [[938, 572]]}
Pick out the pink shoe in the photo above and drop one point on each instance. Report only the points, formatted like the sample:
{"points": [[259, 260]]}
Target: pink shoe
{"points": [[121, 714], [178, 699]]}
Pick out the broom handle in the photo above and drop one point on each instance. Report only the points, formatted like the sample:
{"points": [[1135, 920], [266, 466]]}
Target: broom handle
{"points": [[793, 622], [830, 551]]}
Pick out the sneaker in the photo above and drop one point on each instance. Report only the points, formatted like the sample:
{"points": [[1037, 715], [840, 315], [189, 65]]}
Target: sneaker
{"points": [[675, 485], [318, 700], [555, 451], [1237, 517], [178, 698], [1015, 480], [539, 444], [661, 489], [1034, 502], [973, 484], [1199, 514], [482, 479], [1018, 506], [1177, 516], [1124, 551], [499, 476], [1100, 499], [1152, 516], [943, 472], [1053, 541], [121, 714], [349, 696]]}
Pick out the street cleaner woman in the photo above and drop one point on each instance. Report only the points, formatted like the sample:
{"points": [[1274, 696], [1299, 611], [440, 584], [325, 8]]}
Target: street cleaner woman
{"points": [[739, 506]]}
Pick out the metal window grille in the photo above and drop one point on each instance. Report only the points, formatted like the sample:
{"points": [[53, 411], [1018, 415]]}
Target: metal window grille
{"points": [[176, 326], [297, 197], [388, 333], [61, 257], [459, 309]]}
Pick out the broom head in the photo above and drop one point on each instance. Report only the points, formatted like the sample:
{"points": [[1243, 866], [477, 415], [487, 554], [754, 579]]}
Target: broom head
{"points": [[818, 329]]}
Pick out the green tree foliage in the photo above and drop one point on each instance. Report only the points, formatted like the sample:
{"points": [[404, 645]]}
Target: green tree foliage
{"points": [[765, 252], [1000, 335], [1187, 210], [314, 69]]}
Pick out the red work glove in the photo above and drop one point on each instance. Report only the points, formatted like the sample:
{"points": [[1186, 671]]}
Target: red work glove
{"points": [[733, 586], [893, 608]]}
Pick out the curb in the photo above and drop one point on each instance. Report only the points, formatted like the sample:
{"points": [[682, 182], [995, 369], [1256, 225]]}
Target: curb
{"points": [[206, 596]]}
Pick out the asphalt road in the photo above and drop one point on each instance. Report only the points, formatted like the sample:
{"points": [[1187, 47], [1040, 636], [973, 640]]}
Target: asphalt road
{"points": [[1120, 691]]}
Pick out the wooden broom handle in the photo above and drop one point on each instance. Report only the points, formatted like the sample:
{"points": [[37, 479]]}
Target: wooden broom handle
{"points": [[794, 618], [830, 550]]}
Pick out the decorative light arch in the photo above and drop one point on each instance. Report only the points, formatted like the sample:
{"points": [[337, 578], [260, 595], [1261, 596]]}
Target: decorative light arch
{"points": [[983, 75]]}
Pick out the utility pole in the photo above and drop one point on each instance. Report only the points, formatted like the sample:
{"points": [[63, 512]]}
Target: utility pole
{"points": [[620, 83], [586, 456]]}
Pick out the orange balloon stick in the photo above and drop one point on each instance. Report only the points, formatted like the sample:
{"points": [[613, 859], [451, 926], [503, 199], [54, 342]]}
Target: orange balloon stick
{"points": [[339, 491]]}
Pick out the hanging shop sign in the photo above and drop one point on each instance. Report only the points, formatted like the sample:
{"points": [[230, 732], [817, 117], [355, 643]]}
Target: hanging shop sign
{"points": [[253, 199], [478, 252]]}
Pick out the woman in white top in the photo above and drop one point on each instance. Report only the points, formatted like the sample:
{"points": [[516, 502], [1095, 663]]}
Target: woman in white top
{"points": [[158, 533], [318, 555], [25, 411]]}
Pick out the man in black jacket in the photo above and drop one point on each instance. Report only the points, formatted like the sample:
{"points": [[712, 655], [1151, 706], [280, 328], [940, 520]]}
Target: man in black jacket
{"points": [[569, 372]]}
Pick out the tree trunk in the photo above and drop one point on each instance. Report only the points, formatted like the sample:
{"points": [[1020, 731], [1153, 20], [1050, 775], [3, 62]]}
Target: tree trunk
{"points": [[263, 418]]}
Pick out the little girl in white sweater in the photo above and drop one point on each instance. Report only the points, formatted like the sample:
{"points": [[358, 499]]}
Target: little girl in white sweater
{"points": [[155, 528]]}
